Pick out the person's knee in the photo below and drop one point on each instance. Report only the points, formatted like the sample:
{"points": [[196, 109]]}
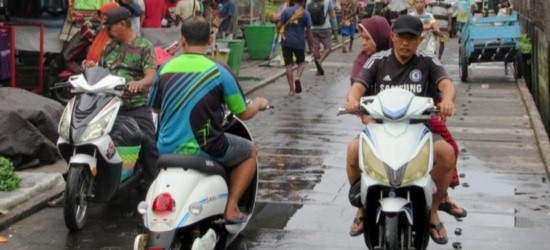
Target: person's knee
{"points": [[444, 155], [353, 155], [253, 152]]}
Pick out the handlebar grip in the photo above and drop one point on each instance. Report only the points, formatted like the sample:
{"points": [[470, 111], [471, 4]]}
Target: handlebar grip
{"points": [[343, 111], [121, 87], [61, 85]]}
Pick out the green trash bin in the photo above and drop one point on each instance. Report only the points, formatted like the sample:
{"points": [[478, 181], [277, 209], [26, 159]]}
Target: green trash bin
{"points": [[235, 58], [258, 40]]}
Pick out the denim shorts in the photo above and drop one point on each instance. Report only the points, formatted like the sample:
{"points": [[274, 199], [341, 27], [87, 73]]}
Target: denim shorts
{"points": [[349, 30], [238, 150]]}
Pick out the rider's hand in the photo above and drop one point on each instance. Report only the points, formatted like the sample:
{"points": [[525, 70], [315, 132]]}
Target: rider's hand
{"points": [[446, 109], [352, 105], [366, 119], [262, 103], [134, 87], [89, 63]]}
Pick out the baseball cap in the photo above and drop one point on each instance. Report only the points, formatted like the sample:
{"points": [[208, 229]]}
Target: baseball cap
{"points": [[407, 24], [116, 15]]}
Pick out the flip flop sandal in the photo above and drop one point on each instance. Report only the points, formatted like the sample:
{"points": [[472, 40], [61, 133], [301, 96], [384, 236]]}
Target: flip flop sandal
{"points": [[357, 221], [449, 208], [298, 86], [437, 228]]}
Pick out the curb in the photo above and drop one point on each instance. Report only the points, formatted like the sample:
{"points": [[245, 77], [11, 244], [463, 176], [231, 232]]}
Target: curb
{"points": [[280, 73], [541, 136], [31, 206]]}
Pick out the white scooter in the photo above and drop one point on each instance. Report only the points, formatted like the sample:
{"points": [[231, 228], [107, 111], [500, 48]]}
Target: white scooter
{"points": [[100, 147], [395, 157], [185, 204]]}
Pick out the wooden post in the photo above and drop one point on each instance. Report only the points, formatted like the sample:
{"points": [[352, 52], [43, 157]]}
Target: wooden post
{"points": [[262, 10]]}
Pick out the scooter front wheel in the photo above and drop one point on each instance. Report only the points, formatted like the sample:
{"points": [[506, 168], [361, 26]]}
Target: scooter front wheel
{"points": [[391, 232], [75, 209]]}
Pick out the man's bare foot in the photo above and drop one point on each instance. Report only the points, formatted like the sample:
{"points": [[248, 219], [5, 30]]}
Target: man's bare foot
{"points": [[234, 216]]}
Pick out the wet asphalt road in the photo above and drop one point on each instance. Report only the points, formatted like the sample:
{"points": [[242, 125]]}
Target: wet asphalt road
{"points": [[302, 200]]}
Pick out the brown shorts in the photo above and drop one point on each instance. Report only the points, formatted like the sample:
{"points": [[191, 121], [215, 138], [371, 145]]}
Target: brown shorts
{"points": [[322, 37]]}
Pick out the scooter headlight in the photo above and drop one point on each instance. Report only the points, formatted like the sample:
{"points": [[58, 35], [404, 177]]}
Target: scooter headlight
{"points": [[99, 125], [64, 128], [418, 166], [374, 167]]}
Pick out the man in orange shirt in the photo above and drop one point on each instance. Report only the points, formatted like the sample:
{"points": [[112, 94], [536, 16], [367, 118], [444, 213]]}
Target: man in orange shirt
{"points": [[94, 53]]}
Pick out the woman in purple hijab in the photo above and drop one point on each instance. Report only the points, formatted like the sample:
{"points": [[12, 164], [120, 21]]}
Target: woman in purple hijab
{"points": [[375, 32]]}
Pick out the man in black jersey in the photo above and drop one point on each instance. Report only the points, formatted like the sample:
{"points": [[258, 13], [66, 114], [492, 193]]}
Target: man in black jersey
{"points": [[424, 75]]}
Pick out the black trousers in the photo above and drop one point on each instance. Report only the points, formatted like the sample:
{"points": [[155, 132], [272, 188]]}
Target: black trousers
{"points": [[149, 154]]}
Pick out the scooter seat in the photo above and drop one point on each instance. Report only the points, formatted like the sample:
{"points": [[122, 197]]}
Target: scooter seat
{"points": [[190, 161]]}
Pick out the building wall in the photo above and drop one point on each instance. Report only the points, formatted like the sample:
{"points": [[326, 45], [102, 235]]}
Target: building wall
{"points": [[535, 19]]}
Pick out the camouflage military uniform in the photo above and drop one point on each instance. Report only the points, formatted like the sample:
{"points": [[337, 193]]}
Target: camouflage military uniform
{"points": [[130, 61]]}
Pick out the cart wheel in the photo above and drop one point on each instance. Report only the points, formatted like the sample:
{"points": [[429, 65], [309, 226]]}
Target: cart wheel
{"points": [[464, 71], [518, 66], [463, 65]]}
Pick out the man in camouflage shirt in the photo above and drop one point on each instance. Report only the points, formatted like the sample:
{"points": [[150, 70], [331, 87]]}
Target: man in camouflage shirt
{"points": [[133, 57]]}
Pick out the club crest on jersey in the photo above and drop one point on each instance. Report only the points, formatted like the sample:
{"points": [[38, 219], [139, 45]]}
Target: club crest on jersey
{"points": [[415, 75]]}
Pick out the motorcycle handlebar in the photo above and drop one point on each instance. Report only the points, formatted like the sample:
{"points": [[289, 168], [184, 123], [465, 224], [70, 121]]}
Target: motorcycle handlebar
{"points": [[344, 111], [249, 101], [121, 87], [60, 85]]}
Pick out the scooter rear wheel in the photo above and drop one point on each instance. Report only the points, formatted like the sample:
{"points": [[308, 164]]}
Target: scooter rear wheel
{"points": [[75, 209]]}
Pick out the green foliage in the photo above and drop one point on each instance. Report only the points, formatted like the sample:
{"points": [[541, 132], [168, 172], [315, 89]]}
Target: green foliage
{"points": [[525, 44], [9, 180]]}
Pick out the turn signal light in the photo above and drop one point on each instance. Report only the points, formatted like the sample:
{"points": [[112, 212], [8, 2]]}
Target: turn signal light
{"points": [[163, 203]]}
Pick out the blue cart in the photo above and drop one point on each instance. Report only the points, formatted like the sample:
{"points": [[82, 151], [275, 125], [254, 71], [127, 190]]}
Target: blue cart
{"points": [[490, 39]]}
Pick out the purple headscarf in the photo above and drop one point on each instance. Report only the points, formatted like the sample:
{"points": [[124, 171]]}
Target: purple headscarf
{"points": [[379, 29]]}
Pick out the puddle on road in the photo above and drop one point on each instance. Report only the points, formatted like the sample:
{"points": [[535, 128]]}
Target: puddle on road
{"points": [[272, 215], [287, 174], [267, 222], [515, 199]]}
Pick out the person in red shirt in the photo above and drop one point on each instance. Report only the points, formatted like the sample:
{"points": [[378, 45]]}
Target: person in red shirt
{"points": [[154, 12]]}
